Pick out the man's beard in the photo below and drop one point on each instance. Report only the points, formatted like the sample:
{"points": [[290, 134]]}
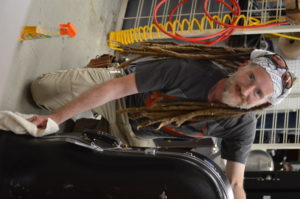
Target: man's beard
{"points": [[228, 97]]}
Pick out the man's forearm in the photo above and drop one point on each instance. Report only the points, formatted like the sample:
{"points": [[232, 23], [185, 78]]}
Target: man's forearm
{"points": [[235, 173], [239, 192], [96, 96]]}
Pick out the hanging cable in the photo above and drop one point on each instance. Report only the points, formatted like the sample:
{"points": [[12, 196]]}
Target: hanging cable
{"points": [[223, 35], [228, 24]]}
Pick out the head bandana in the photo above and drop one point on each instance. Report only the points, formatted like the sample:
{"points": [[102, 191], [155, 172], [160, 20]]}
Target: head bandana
{"points": [[279, 93]]}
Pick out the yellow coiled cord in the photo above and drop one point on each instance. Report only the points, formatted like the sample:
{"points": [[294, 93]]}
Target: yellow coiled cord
{"points": [[151, 32]]}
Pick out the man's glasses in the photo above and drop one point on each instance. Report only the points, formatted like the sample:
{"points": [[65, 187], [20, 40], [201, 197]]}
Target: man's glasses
{"points": [[279, 62]]}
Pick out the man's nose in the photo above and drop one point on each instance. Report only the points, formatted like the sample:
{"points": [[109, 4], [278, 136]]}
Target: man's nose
{"points": [[247, 89]]}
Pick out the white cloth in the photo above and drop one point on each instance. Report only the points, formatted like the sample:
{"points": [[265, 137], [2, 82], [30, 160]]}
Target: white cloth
{"points": [[17, 123]]}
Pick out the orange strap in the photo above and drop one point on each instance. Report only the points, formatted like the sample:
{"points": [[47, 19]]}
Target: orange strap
{"points": [[156, 98], [175, 132]]}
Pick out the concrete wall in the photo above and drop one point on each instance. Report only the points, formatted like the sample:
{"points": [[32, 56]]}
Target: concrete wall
{"points": [[94, 19]]}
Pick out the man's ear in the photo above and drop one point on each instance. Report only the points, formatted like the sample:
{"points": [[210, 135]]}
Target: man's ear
{"points": [[245, 63]]}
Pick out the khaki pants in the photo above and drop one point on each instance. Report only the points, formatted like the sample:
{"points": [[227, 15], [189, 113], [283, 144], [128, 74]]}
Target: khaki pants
{"points": [[53, 90]]}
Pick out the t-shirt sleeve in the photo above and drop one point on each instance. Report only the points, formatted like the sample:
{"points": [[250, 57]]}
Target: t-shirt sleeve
{"points": [[236, 145], [159, 75]]}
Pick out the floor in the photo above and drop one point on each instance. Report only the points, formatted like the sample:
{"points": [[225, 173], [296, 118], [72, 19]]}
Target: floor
{"points": [[93, 20]]}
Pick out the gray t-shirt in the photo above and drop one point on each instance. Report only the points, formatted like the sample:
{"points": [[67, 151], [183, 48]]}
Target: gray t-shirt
{"points": [[191, 80]]}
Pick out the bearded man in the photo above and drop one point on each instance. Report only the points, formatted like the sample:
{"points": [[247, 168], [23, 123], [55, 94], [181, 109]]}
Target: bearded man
{"points": [[147, 86]]}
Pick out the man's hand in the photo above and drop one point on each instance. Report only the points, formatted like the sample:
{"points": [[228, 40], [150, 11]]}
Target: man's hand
{"points": [[39, 120]]}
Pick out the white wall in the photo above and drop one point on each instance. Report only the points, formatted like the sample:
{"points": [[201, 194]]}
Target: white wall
{"points": [[12, 16]]}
